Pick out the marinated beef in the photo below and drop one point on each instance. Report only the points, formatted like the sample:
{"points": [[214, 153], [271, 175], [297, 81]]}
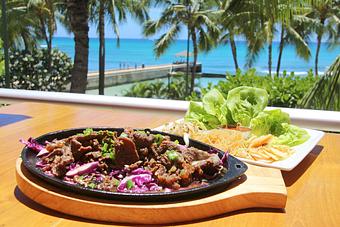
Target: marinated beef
{"points": [[58, 166], [143, 139], [126, 152], [172, 165]]}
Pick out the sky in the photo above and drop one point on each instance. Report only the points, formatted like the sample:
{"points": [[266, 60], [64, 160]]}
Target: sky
{"points": [[130, 29]]}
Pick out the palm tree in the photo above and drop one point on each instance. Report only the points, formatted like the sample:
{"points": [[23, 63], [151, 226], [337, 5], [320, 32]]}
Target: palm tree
{"points": [[261, 31], [325, 94], [21, 33], [239, 17], [327, 15], [230, 27], [197, 16], [295, 33], [78, 14], [259, 27], [45, 11], [117, 12]]}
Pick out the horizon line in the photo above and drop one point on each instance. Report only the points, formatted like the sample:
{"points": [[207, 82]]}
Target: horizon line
{"points": [[150, 39]]}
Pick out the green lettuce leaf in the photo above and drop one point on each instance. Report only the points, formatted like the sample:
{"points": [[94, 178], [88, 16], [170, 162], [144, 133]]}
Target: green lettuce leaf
{"points": [[227, 113], [213, 103], [246, 103], [261, 124], [269, 122], [196, 114], [292, 135]]}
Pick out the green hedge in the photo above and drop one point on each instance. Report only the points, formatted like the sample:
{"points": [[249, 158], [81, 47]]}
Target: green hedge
{"points": [[284, 91], [32, 71], [160, 89]]}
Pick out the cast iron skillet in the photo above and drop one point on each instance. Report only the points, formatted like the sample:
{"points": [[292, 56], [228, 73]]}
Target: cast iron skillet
{"points": [[235, 167]]}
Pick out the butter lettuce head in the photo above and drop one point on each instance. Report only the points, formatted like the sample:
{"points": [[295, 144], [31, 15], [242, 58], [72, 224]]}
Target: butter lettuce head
{"points": [[246, 103], [215, 104], [269, 122], [292, 135], [197, 114]]}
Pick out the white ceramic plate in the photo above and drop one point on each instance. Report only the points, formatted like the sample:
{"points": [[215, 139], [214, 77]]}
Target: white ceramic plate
{"points": [[301, 151]]}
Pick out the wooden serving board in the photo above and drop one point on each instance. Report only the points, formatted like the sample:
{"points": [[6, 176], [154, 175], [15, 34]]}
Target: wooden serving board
{"points": [[260, 187]]}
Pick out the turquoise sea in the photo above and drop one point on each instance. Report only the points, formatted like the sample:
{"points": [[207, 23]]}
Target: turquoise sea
{"points": [[135, 52]]}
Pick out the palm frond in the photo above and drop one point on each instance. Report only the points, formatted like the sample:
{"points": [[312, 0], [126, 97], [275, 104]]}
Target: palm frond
{"points": [[163, 43], [325, 94], [302, 48]]}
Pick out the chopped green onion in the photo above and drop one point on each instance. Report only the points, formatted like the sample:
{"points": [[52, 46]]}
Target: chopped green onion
{"points": [[123, 135], [87, 131], [112, 155], [115, 182], [141, 132], [158, 139], [129, 184], [104, 148], [92, 185], [110, 133], [172, 155]]}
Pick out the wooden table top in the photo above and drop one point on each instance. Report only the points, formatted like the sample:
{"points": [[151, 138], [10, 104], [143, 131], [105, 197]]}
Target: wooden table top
{"points": [[313, 186]]}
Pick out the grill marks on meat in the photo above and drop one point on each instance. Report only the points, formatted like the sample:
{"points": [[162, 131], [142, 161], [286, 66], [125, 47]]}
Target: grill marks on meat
{"points": [[137, 149]]}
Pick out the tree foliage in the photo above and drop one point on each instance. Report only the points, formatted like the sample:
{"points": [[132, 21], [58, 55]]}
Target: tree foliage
{"points": [[325, 94], [32, 71]]}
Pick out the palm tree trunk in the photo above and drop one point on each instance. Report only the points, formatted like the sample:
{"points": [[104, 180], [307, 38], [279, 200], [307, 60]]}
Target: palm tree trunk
{"points": [[49, 42], [26, 43], [78, 11], [234, 51], [101, 48], [319, 38], [270, 47], [317, 55], [280, 51], [43, 29], [193, 70], [48, 39]]}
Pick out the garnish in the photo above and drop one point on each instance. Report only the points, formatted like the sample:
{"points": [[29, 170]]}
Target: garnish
{"points": [[87, 131], [92, 185], [172, 155], [123, 135], [129, 184], [158, 139]]}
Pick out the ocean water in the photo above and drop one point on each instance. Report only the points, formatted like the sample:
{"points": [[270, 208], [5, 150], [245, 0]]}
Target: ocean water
{"points": [[135, 52]]}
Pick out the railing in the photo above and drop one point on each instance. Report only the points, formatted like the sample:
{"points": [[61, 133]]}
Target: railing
{"points": [[315, 119]]}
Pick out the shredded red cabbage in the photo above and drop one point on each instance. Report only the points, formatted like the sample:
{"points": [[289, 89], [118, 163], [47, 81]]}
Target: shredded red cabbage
{"points": [[83, 169], [32, 144], [42, 152], [212, 151], [224, 158], [140, 171], [142, 182], [40, 164]]}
